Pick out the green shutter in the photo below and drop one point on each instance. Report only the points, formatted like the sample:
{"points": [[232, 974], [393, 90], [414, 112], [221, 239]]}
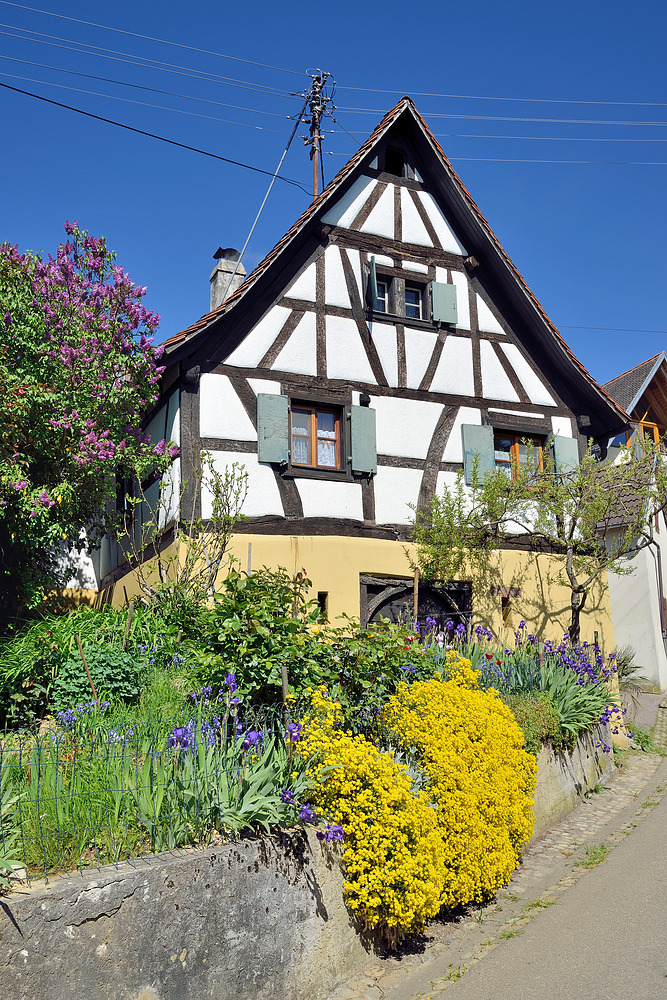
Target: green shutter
{"points": [[566, 453], [272, 428], [477, 440], [362, 435], [373, 284], [443, 303]]}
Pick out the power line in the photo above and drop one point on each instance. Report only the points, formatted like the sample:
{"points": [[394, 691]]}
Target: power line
{"points": [[152, 135], [135, 86], [150, 38], [531, 100], [261, 207], [128, 100], [508, 118], [612, 163], [142, 104], [609, 329], [142, 61]]}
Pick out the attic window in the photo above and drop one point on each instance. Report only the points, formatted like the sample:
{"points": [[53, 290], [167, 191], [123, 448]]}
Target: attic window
{"points": [[394, 162]]}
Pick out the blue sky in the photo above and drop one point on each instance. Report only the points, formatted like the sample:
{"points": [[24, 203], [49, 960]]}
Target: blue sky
{"points": [[520, 89]]}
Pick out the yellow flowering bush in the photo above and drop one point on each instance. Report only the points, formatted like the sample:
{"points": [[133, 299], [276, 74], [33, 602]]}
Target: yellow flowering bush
{"points": [[479, 776], [409, 851], [393, 852]]}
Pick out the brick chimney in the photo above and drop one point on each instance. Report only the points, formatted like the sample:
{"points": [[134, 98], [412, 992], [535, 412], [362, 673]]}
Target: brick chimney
{"points": [[222, 272]]}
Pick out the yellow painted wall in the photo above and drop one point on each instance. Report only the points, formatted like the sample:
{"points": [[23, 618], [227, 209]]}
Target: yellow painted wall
{"points": [[334, 565]]}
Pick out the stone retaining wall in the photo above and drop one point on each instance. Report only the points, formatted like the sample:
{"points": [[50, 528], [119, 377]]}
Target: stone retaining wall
{"points": [[261, 918], [257, 919], [565, 777]]}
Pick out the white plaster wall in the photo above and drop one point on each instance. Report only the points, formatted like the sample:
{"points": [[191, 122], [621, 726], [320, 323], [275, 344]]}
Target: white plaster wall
{"points": [[82, 569], [171, 495], [537, 391], [635, 612], [305, 285], [411, 265], [335, 286], [486, 321], [384, 338], [441, 274], [346, 357], [454, 446], [252, 349], [462, 301], [395, 489], [355, 261], [516, 413], [495, 383], [300, 352], [381, 259], [445, 481], [345, 210], [414, 230], [419, 346], [263, 496], [562, 426], [264, 385], [404, 427], [221, 412], [321, 498], [381, 219], [440, 224], [454, 372]]}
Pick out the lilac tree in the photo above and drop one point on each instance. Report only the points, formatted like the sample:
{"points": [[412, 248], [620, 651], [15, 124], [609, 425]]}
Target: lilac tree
{"points": [[77, 372]]}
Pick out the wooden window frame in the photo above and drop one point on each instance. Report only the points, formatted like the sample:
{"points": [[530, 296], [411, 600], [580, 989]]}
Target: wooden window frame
{"points": [[395, 305], [388, 296], [421, 305], [313, 409], [655, 431], [514, 461]]}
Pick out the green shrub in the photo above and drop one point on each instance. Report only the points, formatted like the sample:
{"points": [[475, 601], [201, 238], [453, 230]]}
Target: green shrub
{"points": [[539, 720], [114, 672], [578, 701]]}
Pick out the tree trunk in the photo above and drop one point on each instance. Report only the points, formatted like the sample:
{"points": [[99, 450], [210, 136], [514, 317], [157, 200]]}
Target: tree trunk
{"points": [[577, 601]]}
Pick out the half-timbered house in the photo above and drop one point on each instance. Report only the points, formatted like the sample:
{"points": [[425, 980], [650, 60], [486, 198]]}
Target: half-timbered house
{"points": [[382, 343], [638, 600]]}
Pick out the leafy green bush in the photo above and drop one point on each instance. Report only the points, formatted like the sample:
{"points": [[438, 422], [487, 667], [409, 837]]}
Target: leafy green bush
{"points": [[579, 702], [539, 720], [114, 672], [260, 624]]}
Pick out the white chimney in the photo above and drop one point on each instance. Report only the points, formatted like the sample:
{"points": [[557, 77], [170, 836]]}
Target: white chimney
{"points": [[222, 272]]}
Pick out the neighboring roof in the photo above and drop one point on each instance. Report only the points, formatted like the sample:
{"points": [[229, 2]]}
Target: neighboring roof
{"points": [[628, 388], [406, 106]]}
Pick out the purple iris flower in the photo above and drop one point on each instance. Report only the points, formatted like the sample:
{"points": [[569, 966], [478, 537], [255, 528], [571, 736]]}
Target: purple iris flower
{"points": [[231, 681], [307, 814], [293, 732], [250, 739], [331, 832], [288, 797]]}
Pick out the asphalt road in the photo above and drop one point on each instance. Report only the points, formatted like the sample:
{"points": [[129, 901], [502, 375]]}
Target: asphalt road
{"points": [[606, 937]]}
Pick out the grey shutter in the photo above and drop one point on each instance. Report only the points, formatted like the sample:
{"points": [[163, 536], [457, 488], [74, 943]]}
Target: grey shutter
{"points": [[272, 428], [362, 439], [477, 441], [566, 453], [443, 303], [373, 284]]}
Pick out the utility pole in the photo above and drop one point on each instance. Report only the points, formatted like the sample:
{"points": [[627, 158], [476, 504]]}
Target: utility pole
{"points": [[318, 106]]}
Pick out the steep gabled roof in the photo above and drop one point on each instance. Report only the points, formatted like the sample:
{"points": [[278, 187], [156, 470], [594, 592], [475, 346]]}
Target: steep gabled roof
{"points": [[607, 414], [628, 388]]}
